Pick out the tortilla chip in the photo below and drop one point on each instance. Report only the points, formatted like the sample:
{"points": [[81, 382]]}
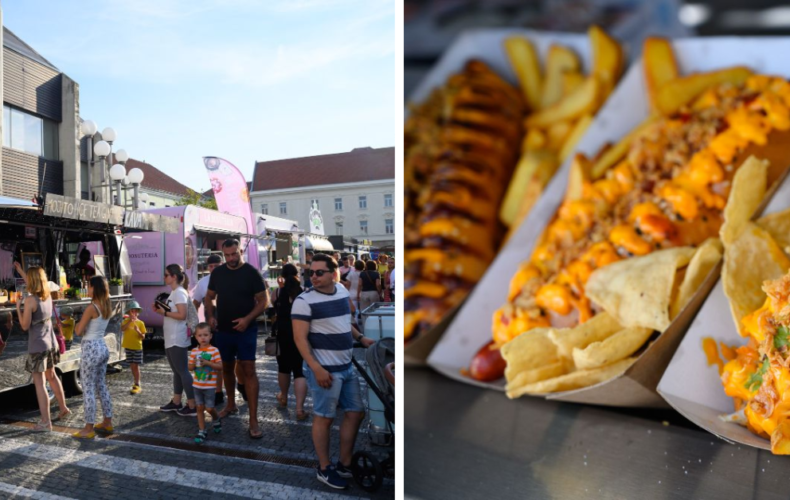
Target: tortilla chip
{"points": [[706, 257], [636, 291], [574, 380], [537, 374], [778, 226], [751, 259], [528, 351], [619, 346], [746, 194], [595, 329]]}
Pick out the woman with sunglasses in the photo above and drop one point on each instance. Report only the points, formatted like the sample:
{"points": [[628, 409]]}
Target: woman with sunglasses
{"points": [[93, 365], [177, 340]]}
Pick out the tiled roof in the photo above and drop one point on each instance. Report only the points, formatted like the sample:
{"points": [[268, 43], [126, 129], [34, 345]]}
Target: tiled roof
{"points": [[156, 179], [359, 165]]}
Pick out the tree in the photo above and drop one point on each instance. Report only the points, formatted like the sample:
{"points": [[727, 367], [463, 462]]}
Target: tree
{"points": [[195, 198]]}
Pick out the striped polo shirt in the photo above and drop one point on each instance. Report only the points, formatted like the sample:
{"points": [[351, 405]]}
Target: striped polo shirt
{"points": [[329, 316]]}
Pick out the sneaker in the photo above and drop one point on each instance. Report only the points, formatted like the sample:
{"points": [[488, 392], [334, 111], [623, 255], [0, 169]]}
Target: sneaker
{"points": [[135, 389], [242, 391], [330, 477], [219, 398], [201, 437], [171, 406], [343, 471], [186, 411], [217, 425]]}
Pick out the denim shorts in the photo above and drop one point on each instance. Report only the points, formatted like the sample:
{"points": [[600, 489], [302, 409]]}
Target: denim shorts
{"points": [[204, 397], [235, 345], [345, 392]]}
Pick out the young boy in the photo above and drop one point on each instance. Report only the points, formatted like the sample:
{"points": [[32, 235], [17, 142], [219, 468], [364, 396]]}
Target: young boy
{"points": [[133, 334], [67, 325], [205, 362]]}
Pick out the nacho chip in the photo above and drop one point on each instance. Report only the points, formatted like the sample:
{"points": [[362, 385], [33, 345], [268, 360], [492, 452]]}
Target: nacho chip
{"points": [[778, 226], [528, 351], [615, 348], [706, 257], [528, 377], [597, 328], [574, 380], [748, 190], [636, 291], [751, 259]]}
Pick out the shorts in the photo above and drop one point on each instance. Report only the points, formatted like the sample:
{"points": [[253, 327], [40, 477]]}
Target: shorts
{"points": [[345, 392], [204, 397], [134, 356], [237, 345], [39, 362]]}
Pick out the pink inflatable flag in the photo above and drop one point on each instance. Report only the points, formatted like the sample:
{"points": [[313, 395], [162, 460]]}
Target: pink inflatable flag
{"points": [[233, 197]]}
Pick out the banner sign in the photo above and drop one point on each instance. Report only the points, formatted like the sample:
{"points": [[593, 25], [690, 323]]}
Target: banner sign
{"points": [[91, 211], [147, 257], [233, 197], [316, 220]]}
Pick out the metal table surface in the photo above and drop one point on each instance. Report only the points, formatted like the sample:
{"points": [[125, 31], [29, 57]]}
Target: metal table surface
{"points": [[465, 442]]}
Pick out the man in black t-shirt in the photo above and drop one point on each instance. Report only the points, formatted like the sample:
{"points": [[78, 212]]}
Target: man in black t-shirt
{"points": [[241, 297]]}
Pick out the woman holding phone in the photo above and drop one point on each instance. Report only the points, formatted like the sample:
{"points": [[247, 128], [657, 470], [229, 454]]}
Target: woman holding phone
{"points": [[177, 340]]}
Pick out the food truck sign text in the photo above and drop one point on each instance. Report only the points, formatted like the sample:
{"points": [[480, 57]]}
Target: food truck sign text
{"points": [[73, 208]]}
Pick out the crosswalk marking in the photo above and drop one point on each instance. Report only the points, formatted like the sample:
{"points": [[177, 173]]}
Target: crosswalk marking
{"points": [[19, 491], [137, 469]]}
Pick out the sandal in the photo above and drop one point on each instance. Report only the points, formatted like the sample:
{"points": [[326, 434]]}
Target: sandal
{"points": [[255, 436], [232, 411], [63, 415], [201, 437], [283, 400], [42, 427], [301, 415], [80, 435], [217, 426], [103, 429]]}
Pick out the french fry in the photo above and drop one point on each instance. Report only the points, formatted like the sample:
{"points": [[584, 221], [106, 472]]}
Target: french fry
{"points": [[547, 165], [680, 91], [573, 138], [616, 153], [608, 59], [583, 100], [526, 64], [557, 133], [558, 61], [534, 140], [570, 81], [531, 164], [619, 346], [579, 174], [659, 64]]}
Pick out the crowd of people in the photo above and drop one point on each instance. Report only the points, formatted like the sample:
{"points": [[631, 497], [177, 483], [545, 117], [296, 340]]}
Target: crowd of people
{"points": [[316, 322]]}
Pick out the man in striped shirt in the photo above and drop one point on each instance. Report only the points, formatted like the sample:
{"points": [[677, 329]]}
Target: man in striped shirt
{"points": [[324, 335]]}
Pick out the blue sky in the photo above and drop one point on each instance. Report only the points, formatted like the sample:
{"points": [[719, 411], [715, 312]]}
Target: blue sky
{"points": [[246, 80]]}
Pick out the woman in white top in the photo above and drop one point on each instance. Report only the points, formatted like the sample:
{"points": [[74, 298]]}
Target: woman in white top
{"points": [[94, 357], [177, 340], [352, 283]]}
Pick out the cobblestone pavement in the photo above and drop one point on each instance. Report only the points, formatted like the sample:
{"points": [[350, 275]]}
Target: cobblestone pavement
{"points": [[152, 454]]}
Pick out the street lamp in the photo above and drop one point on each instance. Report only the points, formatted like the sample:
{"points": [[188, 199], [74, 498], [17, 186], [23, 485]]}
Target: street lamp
{"points": [[144, 199], [121, 156], [102, 149], [136, 178], [117, 174]]}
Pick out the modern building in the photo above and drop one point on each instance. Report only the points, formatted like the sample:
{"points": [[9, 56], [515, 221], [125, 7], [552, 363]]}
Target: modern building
{"points": [[41, 133], [354, 191]]}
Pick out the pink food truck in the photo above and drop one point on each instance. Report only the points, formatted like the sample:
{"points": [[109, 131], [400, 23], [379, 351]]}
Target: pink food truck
{"points": [[201, 233]]}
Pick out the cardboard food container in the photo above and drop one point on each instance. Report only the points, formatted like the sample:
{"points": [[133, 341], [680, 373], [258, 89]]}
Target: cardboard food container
{"points": [[484, 45], [626, 108], [692, 387]]}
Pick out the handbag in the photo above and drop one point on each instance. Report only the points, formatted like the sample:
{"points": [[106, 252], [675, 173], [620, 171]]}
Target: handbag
{"points": [[60, 339], [271, 347]]}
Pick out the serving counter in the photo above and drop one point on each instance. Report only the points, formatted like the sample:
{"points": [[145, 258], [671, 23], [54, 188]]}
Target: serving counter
{"points": [[463, 442]]}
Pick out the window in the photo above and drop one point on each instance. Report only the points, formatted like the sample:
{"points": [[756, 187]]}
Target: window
{"points": [[283, 208], [30, 133], [168, 206], [363, 227], [152, 204], [265, 208], [388, 200], [338, 204], [363, 202], [389, 226], [339, 228]]}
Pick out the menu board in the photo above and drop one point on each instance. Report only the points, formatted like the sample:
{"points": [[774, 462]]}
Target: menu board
{"points": [[32, 260]]}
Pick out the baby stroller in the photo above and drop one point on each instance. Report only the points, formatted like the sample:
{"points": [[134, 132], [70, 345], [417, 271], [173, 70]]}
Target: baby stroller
{"points": [[368, 470]]}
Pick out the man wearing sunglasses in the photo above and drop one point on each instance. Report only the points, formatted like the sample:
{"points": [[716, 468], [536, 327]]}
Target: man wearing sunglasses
{"points": [[241, 297], [324, 335]]}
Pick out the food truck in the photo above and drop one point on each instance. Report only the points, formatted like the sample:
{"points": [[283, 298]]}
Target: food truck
{"points": [[71, 239], [280, 242], [200, 232]]}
